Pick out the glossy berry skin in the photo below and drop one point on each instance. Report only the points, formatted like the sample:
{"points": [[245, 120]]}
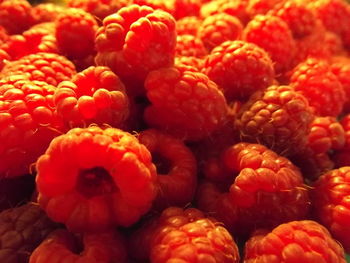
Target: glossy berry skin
{"points": [[110, 179], [93, 96], [62, 246], [340, 66], [136, 40], [259, 189], [22, 229], [277, 117], [27, 123], [272, 34], [176, 168], [316, 81], [47, 67], [297, 241], [239, 68], [331, 203], [72, 26], [181, 101], [219, 28]]}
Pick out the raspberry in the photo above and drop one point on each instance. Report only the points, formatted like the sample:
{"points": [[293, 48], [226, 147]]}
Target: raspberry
{"points": [[189, 45], [62, 246], [331, 203], [21, 11], [136, 40], [95, 95], [315, 80], [296, 241], [261, 7], [185, 8], [181, 102], [194, 62], [48, 67], [72, 25], [219, 28], [262, 189], [3, 35], [167, 6], [171, 218], [188, 25], [234, 8], [39, 38], [28, 123], [239, 68], [300, 19], [341, 68], [22, 229], [46, 12], [272, 34], [98, 8], [176, 168], [278, 117], [197, 241], [110, 179], [4, 57]]}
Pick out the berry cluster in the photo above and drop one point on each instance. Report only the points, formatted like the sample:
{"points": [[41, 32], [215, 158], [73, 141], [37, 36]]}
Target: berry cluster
{"points": [[178, 131]]}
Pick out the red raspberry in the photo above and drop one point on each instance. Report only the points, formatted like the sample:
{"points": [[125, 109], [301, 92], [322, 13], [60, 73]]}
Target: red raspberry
{"points": [[98, 8], [46, 12], [234, 8], [176, 168], [62, 246], [315, 80], [219, 28], [297, 241], [262, 189], [167, 6], [201, 240], [22, 229], [194, 62], [72, 26], [16, 16], [39, 38], [48, 67], [171, 218], [278, 117], [110, 179], [272, 34], [93, 96], [260, 7], [185, 8], [239, 68], [334, 44], [27, 123], [4, 58], [189, 45], [181, 102], [340, 67], [136, 40], [188, 25], [331, 196], [300, 19], [3, 35]]}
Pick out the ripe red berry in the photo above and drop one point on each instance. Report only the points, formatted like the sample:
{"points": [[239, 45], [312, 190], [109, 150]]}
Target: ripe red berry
{"points": [[188, 25], [340, 66], [189, 45], [92, 179]]}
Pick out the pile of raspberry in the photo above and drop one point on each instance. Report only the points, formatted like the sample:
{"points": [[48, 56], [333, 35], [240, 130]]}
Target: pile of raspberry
{"points": [[180, 131]]}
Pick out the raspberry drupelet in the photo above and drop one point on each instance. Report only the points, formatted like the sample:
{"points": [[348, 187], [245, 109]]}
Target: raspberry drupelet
{"points": [[72, 26], [136, 40], [63, 246], [93, 96], [260, 7], [320, 86], [184, 103], [297, 241], [188, 25], [46, 12], [277, 117], [189, 45], [27, 123], [47, 67], [93, 179], [219, 28], [340, 66], [176, 168], [185, 8], [22, 229], [272, 34], [331, 206], [260, 189], [239, 68]]}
